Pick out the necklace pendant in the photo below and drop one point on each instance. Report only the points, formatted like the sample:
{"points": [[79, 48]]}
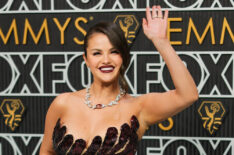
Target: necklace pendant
{"points": [[98, 106]]}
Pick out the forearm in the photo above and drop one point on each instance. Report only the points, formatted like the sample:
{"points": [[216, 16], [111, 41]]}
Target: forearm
{"points": [[183, 81]]}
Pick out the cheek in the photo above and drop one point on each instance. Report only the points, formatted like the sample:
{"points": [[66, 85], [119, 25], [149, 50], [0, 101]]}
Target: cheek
{"points": [[93, 64], [120, 60], [92, 61]]}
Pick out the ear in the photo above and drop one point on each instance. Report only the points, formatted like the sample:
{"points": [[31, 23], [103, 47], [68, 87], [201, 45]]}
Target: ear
{"points": [[85, 59]]}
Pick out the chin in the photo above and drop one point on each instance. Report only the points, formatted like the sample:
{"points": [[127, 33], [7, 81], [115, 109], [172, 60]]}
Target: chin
{"points": [[107, 80]]}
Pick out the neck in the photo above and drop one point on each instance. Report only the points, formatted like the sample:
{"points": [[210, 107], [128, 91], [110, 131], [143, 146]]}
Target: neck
{"points": [[104, 93], [104, 89]]}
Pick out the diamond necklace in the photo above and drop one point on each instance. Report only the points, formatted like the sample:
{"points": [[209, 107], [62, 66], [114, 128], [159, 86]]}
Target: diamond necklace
{"points": [[101, 106]]}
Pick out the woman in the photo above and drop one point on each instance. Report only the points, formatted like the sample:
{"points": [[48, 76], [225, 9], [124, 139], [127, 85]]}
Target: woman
{"points": [[103, 119]]}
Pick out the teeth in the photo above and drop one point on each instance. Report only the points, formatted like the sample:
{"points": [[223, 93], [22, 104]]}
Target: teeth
{"points": [[107, 68]]}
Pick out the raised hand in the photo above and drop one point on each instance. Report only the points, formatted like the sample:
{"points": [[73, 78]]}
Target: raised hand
{"points": [[155, 23]]}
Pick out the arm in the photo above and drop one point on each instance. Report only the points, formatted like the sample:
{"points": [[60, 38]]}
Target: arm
{"points": [[54, 112], [159, 106]]}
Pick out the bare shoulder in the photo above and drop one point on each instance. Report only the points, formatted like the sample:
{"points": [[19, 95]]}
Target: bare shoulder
{"points": [[64, 102], [60, 100], [133, 101], [79, 94], [64, 99]]}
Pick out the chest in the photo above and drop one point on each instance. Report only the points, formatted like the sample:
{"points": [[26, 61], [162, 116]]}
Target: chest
{"points": [[87, 125], [109, 141], [83, 122]]}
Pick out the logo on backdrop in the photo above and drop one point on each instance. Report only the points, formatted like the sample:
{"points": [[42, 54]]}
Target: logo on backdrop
{"points": [[161, 145], [212, 113], [12, 110], [169, 126], [24, 6], [129, 24], [34, 80]]}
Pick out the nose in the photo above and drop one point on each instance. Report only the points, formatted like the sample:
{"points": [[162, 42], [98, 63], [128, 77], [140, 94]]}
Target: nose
{"points": [[106, 58]]}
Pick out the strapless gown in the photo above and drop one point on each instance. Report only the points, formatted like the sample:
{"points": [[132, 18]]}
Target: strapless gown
{"points": [[124, 144]]}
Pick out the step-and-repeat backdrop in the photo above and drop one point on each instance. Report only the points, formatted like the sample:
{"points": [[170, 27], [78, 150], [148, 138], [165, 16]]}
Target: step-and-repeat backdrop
{"points": [[41, 57]]}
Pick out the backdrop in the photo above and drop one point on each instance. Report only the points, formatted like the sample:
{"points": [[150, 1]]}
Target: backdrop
{"points": [[41, 57]]}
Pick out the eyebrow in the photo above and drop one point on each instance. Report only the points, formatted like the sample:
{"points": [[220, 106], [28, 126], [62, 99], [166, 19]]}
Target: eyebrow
{"points": [[113, 48], [96, 49]]}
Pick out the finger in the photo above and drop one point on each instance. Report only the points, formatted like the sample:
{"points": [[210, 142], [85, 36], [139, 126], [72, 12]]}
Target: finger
{"points": [[148, 15], [166, 14], [144, 24], [154, 14], [159, 11]]}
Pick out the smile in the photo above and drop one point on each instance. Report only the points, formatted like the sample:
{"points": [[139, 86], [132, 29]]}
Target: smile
{"points": [[106, 69]]}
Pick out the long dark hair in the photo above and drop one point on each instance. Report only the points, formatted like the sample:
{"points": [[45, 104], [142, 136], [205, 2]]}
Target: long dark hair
{"points": [[118, 40]]}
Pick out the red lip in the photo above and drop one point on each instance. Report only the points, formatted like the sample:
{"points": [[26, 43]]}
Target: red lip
{"points": [[106, 69]]}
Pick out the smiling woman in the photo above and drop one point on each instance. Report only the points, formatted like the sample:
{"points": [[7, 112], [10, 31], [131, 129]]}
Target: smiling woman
{"points": [[106, 41], [104, 119]]}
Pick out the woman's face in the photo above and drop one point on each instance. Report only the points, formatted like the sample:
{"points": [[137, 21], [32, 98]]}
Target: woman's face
{"points": [[103, 59]]}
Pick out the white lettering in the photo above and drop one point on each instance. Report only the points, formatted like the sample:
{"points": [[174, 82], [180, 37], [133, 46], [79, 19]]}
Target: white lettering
{"points": [[45, 76], [41, 6]]}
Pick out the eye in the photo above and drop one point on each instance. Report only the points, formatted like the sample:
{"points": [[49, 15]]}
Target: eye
{"points": [[115, 52], [96, 53]]}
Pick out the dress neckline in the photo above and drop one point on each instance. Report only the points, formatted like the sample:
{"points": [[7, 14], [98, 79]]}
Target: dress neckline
{"points": [[111, 144]]}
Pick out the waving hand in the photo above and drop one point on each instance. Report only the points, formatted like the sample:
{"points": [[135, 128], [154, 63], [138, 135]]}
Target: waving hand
{"points": [[155, 23]]}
